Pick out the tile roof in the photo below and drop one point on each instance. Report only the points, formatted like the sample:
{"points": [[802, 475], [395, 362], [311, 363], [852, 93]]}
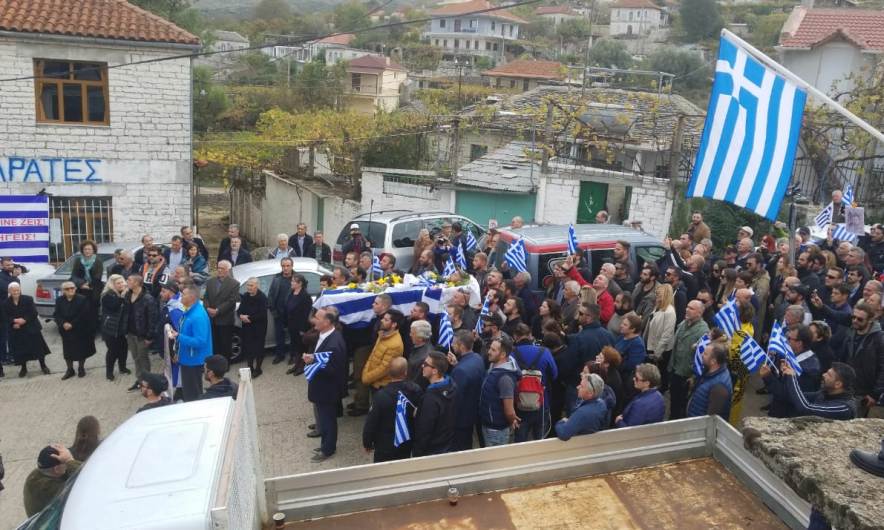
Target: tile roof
{"points": [[529, 68], [343, 38], [508, 169], [807, 28], [376, 62], [230, 36], [634, 118], [462, 8], [635, 4], [101, 19], [556, 10]]}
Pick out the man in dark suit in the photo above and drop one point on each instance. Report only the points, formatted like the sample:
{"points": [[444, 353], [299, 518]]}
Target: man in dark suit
{"points": [[224, 246], [328, 384], [222, 294], [235, 253], [321, 251], [301, 243]]}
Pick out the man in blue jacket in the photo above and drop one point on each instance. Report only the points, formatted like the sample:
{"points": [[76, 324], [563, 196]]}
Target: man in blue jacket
{"points": [[591, 414], [194, 343], [714, 390], [592, 337], [468, 373], [328, 385]]}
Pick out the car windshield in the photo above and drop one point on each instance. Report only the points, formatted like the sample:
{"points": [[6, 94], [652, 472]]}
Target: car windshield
{"points": [[67, 267], [50, 517], [374, 231]]}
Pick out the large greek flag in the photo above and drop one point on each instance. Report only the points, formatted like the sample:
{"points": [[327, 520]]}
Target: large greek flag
{"points": [[751, 132], [24, 228]]}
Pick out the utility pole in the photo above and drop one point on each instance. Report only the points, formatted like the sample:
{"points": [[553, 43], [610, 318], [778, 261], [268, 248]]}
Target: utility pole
{"points": [[675, 154], [547, 134], [588, 47]]}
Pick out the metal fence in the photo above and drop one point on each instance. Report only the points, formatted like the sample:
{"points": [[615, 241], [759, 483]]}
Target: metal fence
{"points": [[73, 220]]}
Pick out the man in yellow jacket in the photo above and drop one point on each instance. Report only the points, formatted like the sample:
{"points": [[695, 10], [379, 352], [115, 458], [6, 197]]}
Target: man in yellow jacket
{"points": [[388, 347]]}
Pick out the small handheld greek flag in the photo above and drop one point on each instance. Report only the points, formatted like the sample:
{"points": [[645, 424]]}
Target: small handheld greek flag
{"points": [[702, 344], [793, 362], [460, 256], [840, 233], [472, 244], [516, 257], [449, 267], [376, 269], [400, 429], [446, 332], [848, 195], [750, 136], [486, 310], [728, 318], [779, 345], [572, 241], [320, 361], [824, 218], [752, 354]]}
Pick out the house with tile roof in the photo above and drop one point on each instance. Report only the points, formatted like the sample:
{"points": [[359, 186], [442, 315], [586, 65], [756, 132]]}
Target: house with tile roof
{"points": [[462, 30], [96, 101], [524, 74], [636, 17], [375, 84], [825, 46], [557, 14]]}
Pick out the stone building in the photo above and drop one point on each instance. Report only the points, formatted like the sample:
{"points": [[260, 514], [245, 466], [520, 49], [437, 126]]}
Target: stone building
{"points": [[97, 114]]}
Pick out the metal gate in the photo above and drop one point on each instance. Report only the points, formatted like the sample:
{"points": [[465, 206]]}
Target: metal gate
{"points": [[75, 219]]}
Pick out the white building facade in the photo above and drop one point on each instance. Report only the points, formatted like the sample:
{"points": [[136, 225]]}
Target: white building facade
{"points": [[111, 146], [459, 33], [636, 17]]}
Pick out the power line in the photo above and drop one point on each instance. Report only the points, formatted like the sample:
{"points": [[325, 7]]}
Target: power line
{"points": [[296, 41]]}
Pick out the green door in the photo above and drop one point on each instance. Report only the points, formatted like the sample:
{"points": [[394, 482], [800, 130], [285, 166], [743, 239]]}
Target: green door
{"points": [[593, 197], [482, 206]]}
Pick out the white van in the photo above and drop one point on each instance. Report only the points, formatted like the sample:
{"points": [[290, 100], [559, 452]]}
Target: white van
{"points": [[167, 468]]}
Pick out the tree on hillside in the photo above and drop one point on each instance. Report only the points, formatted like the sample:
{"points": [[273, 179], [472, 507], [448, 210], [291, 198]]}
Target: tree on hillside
{"points": [[349, 16], [573, 31], [209, 100], [609, 53], [764, 30], [178, 12], [319, 86], [688, 67], [700, 19], [254, 68], [272, 9]]}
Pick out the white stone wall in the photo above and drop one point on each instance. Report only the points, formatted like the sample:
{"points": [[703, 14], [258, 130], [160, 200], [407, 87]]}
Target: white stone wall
{"points": [[145, 152], [416, 198], [651, 203]]}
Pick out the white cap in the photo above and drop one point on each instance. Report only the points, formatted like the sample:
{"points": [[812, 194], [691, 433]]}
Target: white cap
{"points": [[354, 226]]}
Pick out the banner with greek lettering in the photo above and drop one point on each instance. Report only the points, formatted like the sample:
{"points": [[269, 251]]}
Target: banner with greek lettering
{"points": [[24, 228]]}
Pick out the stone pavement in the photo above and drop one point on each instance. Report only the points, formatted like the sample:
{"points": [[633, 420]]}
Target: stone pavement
{"points": [[42, 409]]}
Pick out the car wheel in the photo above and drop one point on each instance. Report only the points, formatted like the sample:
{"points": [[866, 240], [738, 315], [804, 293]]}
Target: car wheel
{"points": [[236, 344]]}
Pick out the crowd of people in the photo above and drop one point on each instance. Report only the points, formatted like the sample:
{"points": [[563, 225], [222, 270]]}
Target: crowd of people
{"points": [[596, 350]]}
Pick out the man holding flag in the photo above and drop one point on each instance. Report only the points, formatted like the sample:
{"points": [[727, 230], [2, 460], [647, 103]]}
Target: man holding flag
{"points": [[803, 362], [393, 403], [327, 380]]}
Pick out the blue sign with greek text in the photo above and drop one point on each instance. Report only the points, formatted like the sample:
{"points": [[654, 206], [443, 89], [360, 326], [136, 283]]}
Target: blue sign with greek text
{"points": [[50, 170]]}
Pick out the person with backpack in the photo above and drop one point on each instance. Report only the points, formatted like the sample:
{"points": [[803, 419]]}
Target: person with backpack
{"points": [[539, 370], [497, 411]]}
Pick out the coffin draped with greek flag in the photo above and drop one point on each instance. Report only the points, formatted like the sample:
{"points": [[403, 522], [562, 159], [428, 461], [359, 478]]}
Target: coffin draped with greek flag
{"points": [[750, 135]]}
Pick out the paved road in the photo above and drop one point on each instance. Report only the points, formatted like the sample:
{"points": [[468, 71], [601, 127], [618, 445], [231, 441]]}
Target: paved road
{"points": [[42, 409]]}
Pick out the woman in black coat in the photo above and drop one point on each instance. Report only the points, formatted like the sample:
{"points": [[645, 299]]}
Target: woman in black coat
{"points": [[114, 323], [25, 340], [86, 275], [252, 313], [297, 314], [73, 318]]}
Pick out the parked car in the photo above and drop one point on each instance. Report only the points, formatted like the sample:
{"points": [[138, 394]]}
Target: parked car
{"points": [[395, 231], [547, 245], [160, 469], [49, 287], [264, 271], [35, 271]]}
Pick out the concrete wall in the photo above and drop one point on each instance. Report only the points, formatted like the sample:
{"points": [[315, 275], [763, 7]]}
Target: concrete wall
{"points": [[631, 21], [827, 64], [283, 204], [404, 196], [142, 160], [651, 202]]}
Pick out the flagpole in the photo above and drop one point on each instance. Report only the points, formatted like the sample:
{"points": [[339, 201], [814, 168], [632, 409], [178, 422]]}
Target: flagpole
{"points": [[816, 93]]}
